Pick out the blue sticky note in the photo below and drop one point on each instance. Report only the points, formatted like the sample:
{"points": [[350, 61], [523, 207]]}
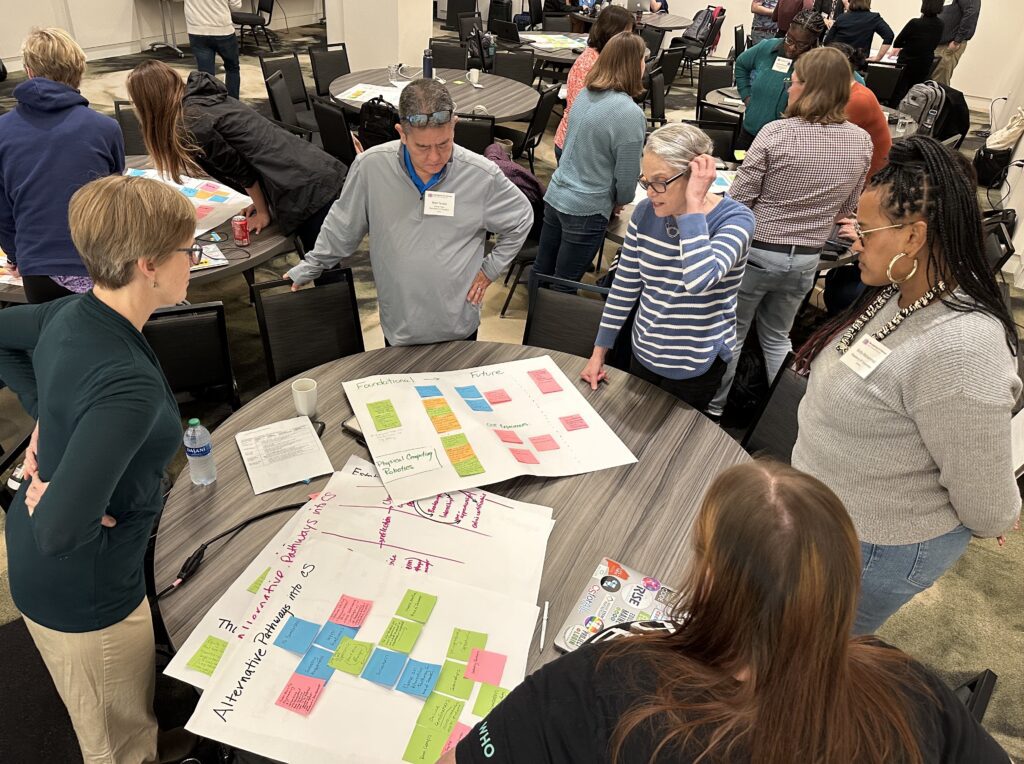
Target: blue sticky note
{"points": [[188, 191], [419, 679], [469, 391], [428, 391], [219, 198], [384, 667], [479, 404], [331, 634], [314, 664], [297, 635], [137, 173]]}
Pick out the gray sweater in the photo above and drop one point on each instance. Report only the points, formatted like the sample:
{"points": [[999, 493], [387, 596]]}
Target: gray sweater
{"points": [[923, 444], [423, 265], [959, 20]]}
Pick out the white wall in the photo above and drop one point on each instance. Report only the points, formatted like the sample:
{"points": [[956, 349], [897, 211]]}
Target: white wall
{"points": [[381, 32], [117, 27]]}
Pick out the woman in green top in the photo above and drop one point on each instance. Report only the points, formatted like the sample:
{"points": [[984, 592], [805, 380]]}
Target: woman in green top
{"points": [[761, 73], [108, 425]]}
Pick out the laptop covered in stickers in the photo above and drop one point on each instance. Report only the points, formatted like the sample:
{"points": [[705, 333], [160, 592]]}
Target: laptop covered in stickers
{"points": [[615, 594]]}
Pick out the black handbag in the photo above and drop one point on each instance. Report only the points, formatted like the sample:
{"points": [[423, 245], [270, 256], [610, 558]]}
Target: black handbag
{"points": [[991, 166]]}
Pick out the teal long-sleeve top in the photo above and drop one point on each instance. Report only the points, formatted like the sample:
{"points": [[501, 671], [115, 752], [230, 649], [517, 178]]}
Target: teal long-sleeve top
{"points": [[766, 88], [108, 427]]}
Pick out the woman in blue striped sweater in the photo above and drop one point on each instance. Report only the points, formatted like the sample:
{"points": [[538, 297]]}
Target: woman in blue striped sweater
{"points": [[683, 260]]}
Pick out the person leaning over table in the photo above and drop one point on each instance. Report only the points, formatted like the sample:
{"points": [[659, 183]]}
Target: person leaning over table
{"points": [[756, 664], [108, 426], [915, 46], [682, 260], [196, 128], [858, 28], [762, 71], [428, 206], [51, 145], [917, 443]]}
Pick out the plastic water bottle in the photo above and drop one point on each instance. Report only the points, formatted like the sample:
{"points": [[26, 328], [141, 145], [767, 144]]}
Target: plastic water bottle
{"points": [[199, 450], [428, 64]]}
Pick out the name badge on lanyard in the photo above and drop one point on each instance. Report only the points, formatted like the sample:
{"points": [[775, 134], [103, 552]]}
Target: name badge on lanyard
{"points": [[439, 203], [782, 64], [865, 355]]}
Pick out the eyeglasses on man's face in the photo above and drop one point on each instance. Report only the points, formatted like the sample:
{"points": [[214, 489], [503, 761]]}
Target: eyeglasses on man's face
{"points": [[660, 186], [195, 253], [435, 118]]}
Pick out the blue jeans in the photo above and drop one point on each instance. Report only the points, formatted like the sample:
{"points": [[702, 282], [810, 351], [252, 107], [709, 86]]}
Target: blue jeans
{"points": [[206, 47], [773, 288], [568, 243], [892, 575]]}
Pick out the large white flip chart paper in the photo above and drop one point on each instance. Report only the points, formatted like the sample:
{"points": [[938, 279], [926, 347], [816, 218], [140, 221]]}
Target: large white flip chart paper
{"points": [[442, 431]]}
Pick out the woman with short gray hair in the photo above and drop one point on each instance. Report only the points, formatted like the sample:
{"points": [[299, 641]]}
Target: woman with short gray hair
{"points": [[682, 261]]}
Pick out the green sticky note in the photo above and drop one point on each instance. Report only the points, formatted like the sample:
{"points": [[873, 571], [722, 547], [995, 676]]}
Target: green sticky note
{"points": [[351, 656], [488, 697], [467, 467], [440, 713], [401, 635], [452, 680], [454, 441], [208, 655], [463, 642], [384, 415], [255, 585], [425, 745], [416, 606]]}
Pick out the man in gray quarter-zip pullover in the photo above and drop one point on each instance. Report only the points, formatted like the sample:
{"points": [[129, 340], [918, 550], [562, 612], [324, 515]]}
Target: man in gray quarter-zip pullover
{"points": [[428, 206]]}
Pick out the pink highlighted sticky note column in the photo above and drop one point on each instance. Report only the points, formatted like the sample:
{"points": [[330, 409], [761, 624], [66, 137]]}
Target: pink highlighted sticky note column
{"points": [[351, 611], [300, 694], [544, 381], [485, 666]]}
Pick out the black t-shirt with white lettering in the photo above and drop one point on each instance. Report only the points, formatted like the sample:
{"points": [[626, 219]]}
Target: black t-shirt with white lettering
{"points": [[567, 712]]}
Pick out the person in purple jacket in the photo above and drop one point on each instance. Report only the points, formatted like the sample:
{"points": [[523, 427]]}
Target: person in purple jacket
{"points": [[51, 145]]}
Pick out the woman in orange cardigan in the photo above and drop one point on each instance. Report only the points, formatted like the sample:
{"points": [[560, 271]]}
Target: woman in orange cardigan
{"points": [[865, 112]]}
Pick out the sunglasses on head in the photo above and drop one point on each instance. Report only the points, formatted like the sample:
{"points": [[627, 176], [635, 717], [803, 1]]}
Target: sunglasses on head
{"points": [[435, 118]]}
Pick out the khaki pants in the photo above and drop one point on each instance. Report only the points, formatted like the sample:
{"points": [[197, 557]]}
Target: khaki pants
{"points": [[106, 679], [948, 59]]}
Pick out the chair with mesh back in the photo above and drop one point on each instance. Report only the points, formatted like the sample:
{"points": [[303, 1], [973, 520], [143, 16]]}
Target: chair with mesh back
{"points": [[565, 321], [774, 428], [131, 129], [474, 131], [254, 21], [335, 133], [516, 66], [309, 327], [449, 55], [291, 72], [328, 62]]}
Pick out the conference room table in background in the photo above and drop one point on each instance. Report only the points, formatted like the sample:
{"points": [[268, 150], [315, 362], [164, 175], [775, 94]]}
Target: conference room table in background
{"points": [[667, 22], [562, 56], [504, 99], [639, 514]]}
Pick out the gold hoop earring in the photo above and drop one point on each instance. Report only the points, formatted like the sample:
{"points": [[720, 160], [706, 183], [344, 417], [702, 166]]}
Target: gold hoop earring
{"points": [[888, 271]]}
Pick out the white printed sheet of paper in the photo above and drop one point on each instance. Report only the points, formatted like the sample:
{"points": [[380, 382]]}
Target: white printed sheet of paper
{"points": [[282, 453], [472, 536], [214, 202], [442, 431], [349, 662]]}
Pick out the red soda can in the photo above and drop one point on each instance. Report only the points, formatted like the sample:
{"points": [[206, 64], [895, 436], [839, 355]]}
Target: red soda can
{"points": [[240, 230]]}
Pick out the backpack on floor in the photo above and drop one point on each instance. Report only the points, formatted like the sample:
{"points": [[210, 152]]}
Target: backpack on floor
{"points": [[920, 102], [377, 120], [522, 21]]}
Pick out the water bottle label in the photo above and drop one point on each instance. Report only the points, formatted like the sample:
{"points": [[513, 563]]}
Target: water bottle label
{"points": [[198, 450]]}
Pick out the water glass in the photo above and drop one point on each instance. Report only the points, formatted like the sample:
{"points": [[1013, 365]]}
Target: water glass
{"points": [[393, 74]]}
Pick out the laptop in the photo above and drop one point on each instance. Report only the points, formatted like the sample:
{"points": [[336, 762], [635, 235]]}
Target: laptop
{"points": [[506, 31], [614, 594]]}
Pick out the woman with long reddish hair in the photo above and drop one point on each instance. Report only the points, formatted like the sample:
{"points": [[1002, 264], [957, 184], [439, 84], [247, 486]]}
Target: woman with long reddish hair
{"points": [[757, 665]]}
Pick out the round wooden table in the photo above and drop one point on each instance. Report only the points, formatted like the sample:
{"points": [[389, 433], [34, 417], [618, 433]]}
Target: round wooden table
{"points": [[640, 514], [505, 99], [666, 22]]}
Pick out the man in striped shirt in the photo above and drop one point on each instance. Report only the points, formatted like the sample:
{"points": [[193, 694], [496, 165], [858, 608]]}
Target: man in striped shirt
{"points": [[681, 265]]}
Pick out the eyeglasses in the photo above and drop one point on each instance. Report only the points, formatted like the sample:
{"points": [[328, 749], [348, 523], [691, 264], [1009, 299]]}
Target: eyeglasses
{"points": [[435, 118], [195, 253], [660, 186], [794, 43], [861, 233]]}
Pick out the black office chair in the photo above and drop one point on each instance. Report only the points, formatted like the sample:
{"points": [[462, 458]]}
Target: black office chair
{"points": [[469, 23], [565, 321], [328, 62], [499, 10], [304, 329], [455, 9], [191, 344], [556, 23], [723, 136], [697, 52], [516, 66], [656, 92], [335, 132], [529, 141], [255, 21], [652, 37], [882, 80], [291, 71], [449, 56], [976, 692], [283, 108], [669, 61], [713, 76], [474, 132], [536, 13], [131, 129], [774, 428], [739, 36]]}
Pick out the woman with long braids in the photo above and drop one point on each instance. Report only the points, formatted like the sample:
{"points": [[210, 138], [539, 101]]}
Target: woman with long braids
{"points": [[756, 665], [907, 411]]}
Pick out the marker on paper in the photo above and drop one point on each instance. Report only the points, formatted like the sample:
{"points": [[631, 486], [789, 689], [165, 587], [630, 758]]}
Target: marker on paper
{"points": [[544, 626]]}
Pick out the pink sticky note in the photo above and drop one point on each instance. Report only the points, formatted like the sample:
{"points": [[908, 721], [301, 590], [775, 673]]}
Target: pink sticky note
{"points": [[574, 422], [524, 456], [544, 381], [485, 666], [543, 443], [212, 187], [497, 396], [460, 731], [507, 436], [202, 211], [351, 611], [313, 496], [300, 694]]}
